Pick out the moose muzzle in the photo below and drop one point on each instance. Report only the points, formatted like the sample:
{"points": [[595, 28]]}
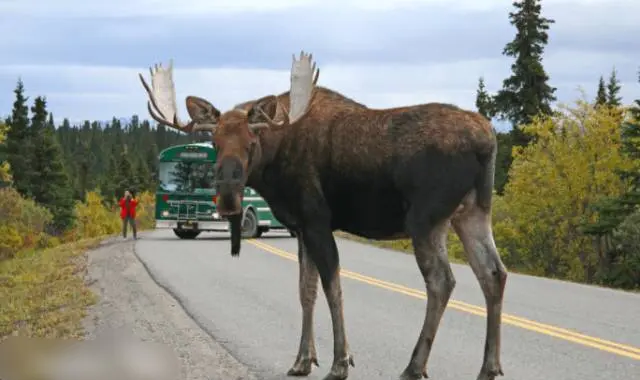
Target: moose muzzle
{"points": [[229, 185]]}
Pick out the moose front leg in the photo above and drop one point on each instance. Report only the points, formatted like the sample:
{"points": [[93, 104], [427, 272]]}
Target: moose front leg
{"points": [[308, 289], [321, 248]]}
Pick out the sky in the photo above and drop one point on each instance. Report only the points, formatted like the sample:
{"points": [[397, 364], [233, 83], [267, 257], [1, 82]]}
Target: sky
{"points": [[84, 56]]}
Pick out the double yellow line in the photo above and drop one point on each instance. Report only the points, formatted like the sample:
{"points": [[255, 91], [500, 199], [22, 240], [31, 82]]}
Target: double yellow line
{"points": [[527, 324]]}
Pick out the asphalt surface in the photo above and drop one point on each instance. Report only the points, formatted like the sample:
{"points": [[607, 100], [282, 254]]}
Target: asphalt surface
{"points": [[551, 329]]}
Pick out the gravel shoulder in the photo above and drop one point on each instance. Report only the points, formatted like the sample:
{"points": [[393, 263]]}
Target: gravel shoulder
{"points": [[131, 301]]}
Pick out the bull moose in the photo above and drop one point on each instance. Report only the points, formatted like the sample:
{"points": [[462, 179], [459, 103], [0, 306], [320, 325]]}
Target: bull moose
{"points": [[330, 163]]}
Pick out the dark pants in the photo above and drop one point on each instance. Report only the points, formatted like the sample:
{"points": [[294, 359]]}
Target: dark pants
{"points": [[132, 222]]}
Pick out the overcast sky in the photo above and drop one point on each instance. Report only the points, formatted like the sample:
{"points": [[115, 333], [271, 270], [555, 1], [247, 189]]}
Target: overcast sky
{"points": [[85, 55]]}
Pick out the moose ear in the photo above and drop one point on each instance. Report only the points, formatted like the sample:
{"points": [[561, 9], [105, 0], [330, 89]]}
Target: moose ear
{"points": [[200, 110], [268, 104]]}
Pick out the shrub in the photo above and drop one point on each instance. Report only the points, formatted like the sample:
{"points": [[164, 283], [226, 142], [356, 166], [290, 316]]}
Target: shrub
{"points": [[93, 219], [22, 223], [624, 270], [571, 164], [145, 214]]}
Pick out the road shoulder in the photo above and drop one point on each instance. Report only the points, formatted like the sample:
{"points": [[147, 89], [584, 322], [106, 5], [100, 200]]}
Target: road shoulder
{"points": [[130, 299]]}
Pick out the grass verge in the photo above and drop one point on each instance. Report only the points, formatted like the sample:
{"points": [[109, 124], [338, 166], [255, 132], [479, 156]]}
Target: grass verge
{"points": [[404, 246], [43, 293]]}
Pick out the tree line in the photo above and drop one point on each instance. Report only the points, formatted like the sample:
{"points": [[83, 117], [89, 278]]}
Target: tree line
{"points": [[56, 166]]}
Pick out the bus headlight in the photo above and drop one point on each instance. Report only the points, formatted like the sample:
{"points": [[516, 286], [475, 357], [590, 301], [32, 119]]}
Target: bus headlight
{"points": [[215, 215], [165, 213]]}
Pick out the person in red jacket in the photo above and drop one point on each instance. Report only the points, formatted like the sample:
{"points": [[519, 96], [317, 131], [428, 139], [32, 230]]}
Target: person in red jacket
{"points": [[128, 213]]}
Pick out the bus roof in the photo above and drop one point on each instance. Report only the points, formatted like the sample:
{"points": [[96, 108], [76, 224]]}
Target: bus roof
{"points": [[171, 153]]}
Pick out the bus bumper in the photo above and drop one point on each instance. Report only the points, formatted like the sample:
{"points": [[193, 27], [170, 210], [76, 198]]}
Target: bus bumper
{"points": [[202, 225]]}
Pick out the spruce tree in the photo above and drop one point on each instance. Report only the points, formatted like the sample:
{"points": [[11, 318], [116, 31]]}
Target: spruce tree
{"points": [[526, 93], [50, 123], [125, 179], [484, 103], [151, 160], [601, 96], [613, 89], [141, 173], [83, 170], [108, 184], [19, 144], [51, 186]]}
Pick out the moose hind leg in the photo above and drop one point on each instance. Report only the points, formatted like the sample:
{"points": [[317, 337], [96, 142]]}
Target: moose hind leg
{"points": [[431, 255], [473, 226], [308, 288]]}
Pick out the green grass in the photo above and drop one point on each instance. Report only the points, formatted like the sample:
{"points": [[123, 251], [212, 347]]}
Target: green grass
{"points": [[43, 292]]}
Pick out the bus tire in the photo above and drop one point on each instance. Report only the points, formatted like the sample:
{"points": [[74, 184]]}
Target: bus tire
{"points": [[186, 234], [292, 233], [250, 227]]}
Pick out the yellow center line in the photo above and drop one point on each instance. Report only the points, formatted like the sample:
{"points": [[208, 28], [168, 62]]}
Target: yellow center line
{"points": [[557, 332]]}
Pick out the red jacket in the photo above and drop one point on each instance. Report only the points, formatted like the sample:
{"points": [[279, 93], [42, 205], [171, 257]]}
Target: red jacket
{"points": [[132, 208]]}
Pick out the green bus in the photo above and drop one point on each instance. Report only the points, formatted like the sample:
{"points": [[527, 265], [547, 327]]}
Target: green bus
{"points": [[186, 197]]}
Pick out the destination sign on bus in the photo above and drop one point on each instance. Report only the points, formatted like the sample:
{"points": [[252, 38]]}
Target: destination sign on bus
{"points": [[193, 154]]}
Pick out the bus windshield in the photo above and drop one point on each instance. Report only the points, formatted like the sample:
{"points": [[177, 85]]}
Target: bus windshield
{"points": [[186, 176]]}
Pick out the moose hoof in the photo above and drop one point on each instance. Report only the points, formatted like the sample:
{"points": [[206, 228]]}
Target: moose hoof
{"points": [[333, 376], [340, 368], [490, 374], [409, 374], [302, 367]]}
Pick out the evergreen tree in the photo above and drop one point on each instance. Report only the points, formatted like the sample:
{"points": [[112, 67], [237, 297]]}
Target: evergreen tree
{"points": [[108, 186], [39, 116], [51, 185], [125, 179], [601, 96], [151, 161], [19, 144], [612, 212], [526, 93], [142, 174], [613, 89], [50, 123], [503, 161], [83, 170], [484, 103]]}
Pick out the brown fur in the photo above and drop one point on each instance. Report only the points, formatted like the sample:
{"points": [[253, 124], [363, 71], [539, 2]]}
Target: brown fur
{"points": [[377, 173]]}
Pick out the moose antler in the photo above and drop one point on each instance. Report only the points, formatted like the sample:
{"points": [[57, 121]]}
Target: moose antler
{"points": [[301, 92], [162, 100]]}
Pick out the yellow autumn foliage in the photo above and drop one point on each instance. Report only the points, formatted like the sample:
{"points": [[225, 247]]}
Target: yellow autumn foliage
{"points": [[5, 174], [145, 212], [93, 219], [552, 183], [22, 223]]}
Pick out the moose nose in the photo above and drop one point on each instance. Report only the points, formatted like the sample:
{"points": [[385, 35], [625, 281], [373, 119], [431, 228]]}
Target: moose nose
{"points": [[229, 171]]}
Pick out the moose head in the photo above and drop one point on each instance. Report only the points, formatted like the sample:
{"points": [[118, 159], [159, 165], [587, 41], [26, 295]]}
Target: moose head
{"points": [[235, 133]]}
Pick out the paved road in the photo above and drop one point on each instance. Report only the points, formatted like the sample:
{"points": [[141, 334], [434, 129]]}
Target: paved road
{"points": [[552, 329]]}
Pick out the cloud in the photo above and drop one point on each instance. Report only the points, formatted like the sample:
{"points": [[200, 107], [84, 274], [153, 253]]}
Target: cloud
{"points": [[85, 56], [101, 92]]}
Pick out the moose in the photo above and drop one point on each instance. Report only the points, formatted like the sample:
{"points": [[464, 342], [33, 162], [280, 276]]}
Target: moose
{"points": [[329, 163]]}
